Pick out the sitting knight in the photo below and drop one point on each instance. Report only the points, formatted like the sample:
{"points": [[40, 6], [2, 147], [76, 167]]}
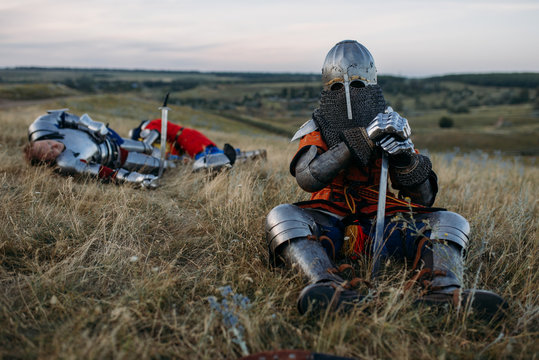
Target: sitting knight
{"points": [[339, 163]]}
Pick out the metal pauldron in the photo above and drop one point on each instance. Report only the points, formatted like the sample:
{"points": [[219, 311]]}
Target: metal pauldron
{"points": [[286, 222], [449, 226], [46, 126]]}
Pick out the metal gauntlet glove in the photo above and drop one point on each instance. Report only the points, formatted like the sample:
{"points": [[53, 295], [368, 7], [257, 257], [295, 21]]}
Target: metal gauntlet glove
{"points": [[357, 140], [389, 124], [144, 180], [96, 127]]}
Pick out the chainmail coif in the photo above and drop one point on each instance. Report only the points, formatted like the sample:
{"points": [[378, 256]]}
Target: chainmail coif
{"points": [[332, 117]]}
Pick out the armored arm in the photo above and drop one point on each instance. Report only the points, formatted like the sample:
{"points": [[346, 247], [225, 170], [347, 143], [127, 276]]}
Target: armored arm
{"points": [[412, 175], [410, 172], [68, 164], [149, 136], [314, 170], [136, 146], [84, 123]]}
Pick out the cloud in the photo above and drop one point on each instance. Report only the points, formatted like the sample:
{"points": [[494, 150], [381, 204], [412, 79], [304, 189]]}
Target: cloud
{"points": [[408, 37]]}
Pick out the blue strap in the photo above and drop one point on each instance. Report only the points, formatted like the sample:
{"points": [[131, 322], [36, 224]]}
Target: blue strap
{"points": [[208, 150]]}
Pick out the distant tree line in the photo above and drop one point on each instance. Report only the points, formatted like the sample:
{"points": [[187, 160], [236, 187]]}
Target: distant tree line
{"points": [[524, 80], [456, 93]]}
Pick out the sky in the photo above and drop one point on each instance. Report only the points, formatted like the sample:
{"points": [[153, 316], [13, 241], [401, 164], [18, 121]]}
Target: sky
{"points": [[413, 38]]}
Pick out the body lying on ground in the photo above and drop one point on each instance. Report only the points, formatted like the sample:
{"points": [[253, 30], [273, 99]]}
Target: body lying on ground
{"points": [[80, 145], [186, 143]]}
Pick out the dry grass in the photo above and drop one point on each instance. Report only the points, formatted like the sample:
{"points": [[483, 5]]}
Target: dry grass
{"points": [[92, 270]]}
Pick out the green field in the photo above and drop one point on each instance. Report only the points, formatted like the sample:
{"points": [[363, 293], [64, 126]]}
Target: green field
{"points": [[496, 113]]}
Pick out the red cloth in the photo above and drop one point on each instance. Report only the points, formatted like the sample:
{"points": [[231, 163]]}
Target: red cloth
{"points": [[181, 139], [106, 173]]}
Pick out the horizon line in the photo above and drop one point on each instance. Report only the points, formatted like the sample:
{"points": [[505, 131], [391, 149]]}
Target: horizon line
{"points": [[72, 68]]}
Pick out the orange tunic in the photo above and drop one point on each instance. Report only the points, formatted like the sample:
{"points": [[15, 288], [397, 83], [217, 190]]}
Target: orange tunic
{"points": [[354, 190]]}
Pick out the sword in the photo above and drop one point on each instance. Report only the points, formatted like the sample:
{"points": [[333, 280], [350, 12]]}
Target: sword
{"points": [[164, 122], [380, 215]]}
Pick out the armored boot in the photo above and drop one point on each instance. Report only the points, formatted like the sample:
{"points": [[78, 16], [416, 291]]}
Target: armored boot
{"points": [[442, 271], [242, 156], [325, 290], [289, 229]]}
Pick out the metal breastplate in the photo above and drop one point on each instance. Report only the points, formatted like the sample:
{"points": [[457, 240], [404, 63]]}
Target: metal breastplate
{"points": [[82, 144]]}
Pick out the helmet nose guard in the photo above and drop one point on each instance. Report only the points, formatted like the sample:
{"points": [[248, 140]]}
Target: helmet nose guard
{"points": [[348, 62]]}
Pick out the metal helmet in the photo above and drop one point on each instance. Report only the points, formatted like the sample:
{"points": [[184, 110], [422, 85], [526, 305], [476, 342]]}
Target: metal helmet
{"points": [[348, 63]]}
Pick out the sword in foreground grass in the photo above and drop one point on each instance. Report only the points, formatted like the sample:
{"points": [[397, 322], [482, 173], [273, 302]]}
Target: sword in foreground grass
{"points": [[164, 122], [380, 215]]}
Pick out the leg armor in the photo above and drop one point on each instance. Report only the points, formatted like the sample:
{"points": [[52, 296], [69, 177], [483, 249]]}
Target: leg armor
{"points": [[242, 156], [443, 258], [444, 255], [214, 162], [142, 163], [136, 146], [287, 229]]}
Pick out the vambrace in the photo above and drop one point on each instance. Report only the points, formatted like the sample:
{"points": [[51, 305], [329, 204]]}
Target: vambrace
{"points": [[424, 193], [314, 172], [417, 172], [359, 144]]}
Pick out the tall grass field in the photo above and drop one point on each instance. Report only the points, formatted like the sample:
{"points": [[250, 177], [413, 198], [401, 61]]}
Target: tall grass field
{"points": [[93, 271]]}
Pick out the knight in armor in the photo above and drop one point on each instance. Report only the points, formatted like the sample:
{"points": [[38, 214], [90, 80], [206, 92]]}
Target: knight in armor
{"points": [[189, 144], [339, 162], [80, 145]]}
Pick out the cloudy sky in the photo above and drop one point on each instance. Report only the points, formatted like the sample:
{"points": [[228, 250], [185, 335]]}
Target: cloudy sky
{"points": [[409, 38]]}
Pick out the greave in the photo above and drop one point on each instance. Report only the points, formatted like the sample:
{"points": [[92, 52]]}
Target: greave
{"points": [[444, 260], [251, 155], [311, 259]]}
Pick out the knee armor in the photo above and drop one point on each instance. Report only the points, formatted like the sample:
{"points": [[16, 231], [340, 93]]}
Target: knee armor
{"points": [[286, 222], [449, 226], [287, 229]]}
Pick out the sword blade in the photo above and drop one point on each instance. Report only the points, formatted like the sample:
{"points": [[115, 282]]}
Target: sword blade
{"points": [[380, 215], [164, 123]]}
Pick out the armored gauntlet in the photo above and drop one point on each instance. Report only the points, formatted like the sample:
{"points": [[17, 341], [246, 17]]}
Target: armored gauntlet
{"points": [[357, 140], [144, 180], [390, 123]]}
